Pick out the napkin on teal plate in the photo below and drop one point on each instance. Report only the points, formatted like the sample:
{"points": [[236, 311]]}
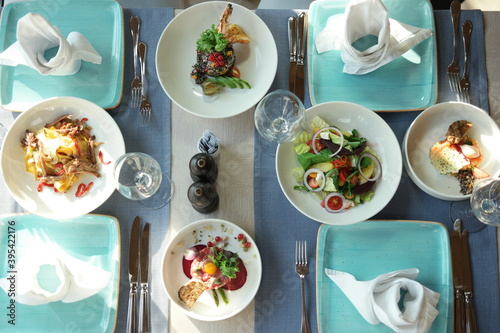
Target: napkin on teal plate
{"points": [[35, 36], [361, 20], [46, 273], [378, 300]]}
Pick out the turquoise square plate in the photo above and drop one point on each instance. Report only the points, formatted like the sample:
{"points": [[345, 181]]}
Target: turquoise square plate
{"points": [[90, 238], [371, 248], [100, 21], [407, 83]]}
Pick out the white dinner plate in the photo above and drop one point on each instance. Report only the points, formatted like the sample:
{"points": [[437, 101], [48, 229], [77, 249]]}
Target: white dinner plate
{"points": [[176, 55], [22, 184], [200, 232], [380, 137]]}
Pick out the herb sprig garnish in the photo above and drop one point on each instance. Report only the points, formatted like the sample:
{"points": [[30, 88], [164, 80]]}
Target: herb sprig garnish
{"points": [[211, 40], [228, 265]]}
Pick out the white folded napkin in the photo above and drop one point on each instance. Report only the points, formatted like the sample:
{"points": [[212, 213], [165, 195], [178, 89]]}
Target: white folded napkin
{"points": [[377, 300], [35, 35], [363, 18], [37, 259]]}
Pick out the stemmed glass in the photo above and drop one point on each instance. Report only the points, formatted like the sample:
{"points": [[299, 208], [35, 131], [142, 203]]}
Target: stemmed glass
{"points": [[139, 177], [279, 117], [484, 206]]}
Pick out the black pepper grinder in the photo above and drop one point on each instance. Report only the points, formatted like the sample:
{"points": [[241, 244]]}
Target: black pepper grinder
{"points": [[203, 197], [202, 167]]}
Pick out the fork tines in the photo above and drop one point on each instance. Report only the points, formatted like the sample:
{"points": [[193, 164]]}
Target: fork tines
{"points": [[453, 69], [301, 253]]}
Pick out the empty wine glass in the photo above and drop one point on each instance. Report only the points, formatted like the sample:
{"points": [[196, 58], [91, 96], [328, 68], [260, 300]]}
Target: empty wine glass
{"points": [[484, 206], [279, 117], [139, 177]]}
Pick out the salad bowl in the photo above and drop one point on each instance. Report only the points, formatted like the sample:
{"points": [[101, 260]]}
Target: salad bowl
{"points": [[345, 116], [430, 127]]}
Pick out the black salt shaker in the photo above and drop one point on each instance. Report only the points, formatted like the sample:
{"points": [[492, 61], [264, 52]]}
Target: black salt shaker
{"points": [[202, 167], [203, 197]]}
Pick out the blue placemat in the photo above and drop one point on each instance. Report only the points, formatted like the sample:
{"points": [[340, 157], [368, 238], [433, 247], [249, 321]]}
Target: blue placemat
{"points": [[278, 224], [154, 140]]}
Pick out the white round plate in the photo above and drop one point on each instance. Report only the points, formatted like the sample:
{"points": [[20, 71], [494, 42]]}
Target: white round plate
{"points": [[200, 232], [22, 184], [176, 55], [380, 137], [430, 127]]}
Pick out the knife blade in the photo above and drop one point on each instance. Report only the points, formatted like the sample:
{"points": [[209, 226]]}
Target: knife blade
{"points": [[457, 268], [292, 41], [470, 314], [144, 305], [133, 275], [301, 45]]}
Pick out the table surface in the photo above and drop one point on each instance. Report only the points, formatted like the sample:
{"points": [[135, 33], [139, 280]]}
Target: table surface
{"points": [[236, 162], [236, 171]]}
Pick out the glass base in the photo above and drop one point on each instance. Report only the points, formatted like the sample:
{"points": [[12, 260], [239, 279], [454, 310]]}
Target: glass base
{"points": [[268, 147], [162, 197], [461, 210]]}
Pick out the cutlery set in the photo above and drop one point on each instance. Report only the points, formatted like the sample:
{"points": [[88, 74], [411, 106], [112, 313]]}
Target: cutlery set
{"points": [[297, 32], [465, 317], [138, 86], [138, 266], [460, 85]]}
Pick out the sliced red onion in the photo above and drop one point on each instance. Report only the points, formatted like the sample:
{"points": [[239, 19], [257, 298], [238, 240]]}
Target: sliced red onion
{"points": [[334, 194], [321, 181], [190, 253], [339, 132], [377, 169]]}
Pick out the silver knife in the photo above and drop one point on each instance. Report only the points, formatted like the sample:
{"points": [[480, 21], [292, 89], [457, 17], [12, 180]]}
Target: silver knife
{"points": [[470, 314], [458, 283], [144, 307], [292, 43], [301, 46], [133, 275]]}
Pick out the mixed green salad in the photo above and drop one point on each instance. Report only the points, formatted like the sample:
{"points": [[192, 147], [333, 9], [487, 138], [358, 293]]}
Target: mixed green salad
{"points": [[337, 166]]}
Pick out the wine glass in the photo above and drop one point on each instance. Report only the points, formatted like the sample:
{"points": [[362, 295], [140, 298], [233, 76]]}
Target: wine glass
{"points": [[279, 117], [139, 177], [3, 131], [484, 206]]}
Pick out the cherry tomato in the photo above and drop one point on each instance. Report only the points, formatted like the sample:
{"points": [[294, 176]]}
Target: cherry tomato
{"points": [[235, 72], [313, 183], [344, 173], [218, 239], [241, 236], [248, 244], [210, 244]]}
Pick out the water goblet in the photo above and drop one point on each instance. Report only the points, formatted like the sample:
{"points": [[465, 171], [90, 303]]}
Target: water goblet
{"points": [[482, 209], [139, 177], [279, 117]]}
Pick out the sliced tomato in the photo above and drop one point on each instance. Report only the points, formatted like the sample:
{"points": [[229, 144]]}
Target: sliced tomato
{"points": [[335, 202], [344, 173], [235, 72], [313, 183], [319, 146]]}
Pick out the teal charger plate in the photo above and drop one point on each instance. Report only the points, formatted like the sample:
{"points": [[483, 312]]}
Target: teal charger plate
{"points": [[401, 85], [100, 21], [95, 237], [371, 248]]}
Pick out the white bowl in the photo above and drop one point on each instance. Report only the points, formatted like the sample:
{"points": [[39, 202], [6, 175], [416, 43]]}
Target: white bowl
{"points": [[200, 232], [22, 184], [430, 127], [380, 137], [176, 55]]}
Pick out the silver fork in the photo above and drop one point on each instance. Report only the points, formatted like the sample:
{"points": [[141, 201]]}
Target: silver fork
{"points": [[464, 93], [453, 69], [135, 25], [145, 108], [302, 269]]}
